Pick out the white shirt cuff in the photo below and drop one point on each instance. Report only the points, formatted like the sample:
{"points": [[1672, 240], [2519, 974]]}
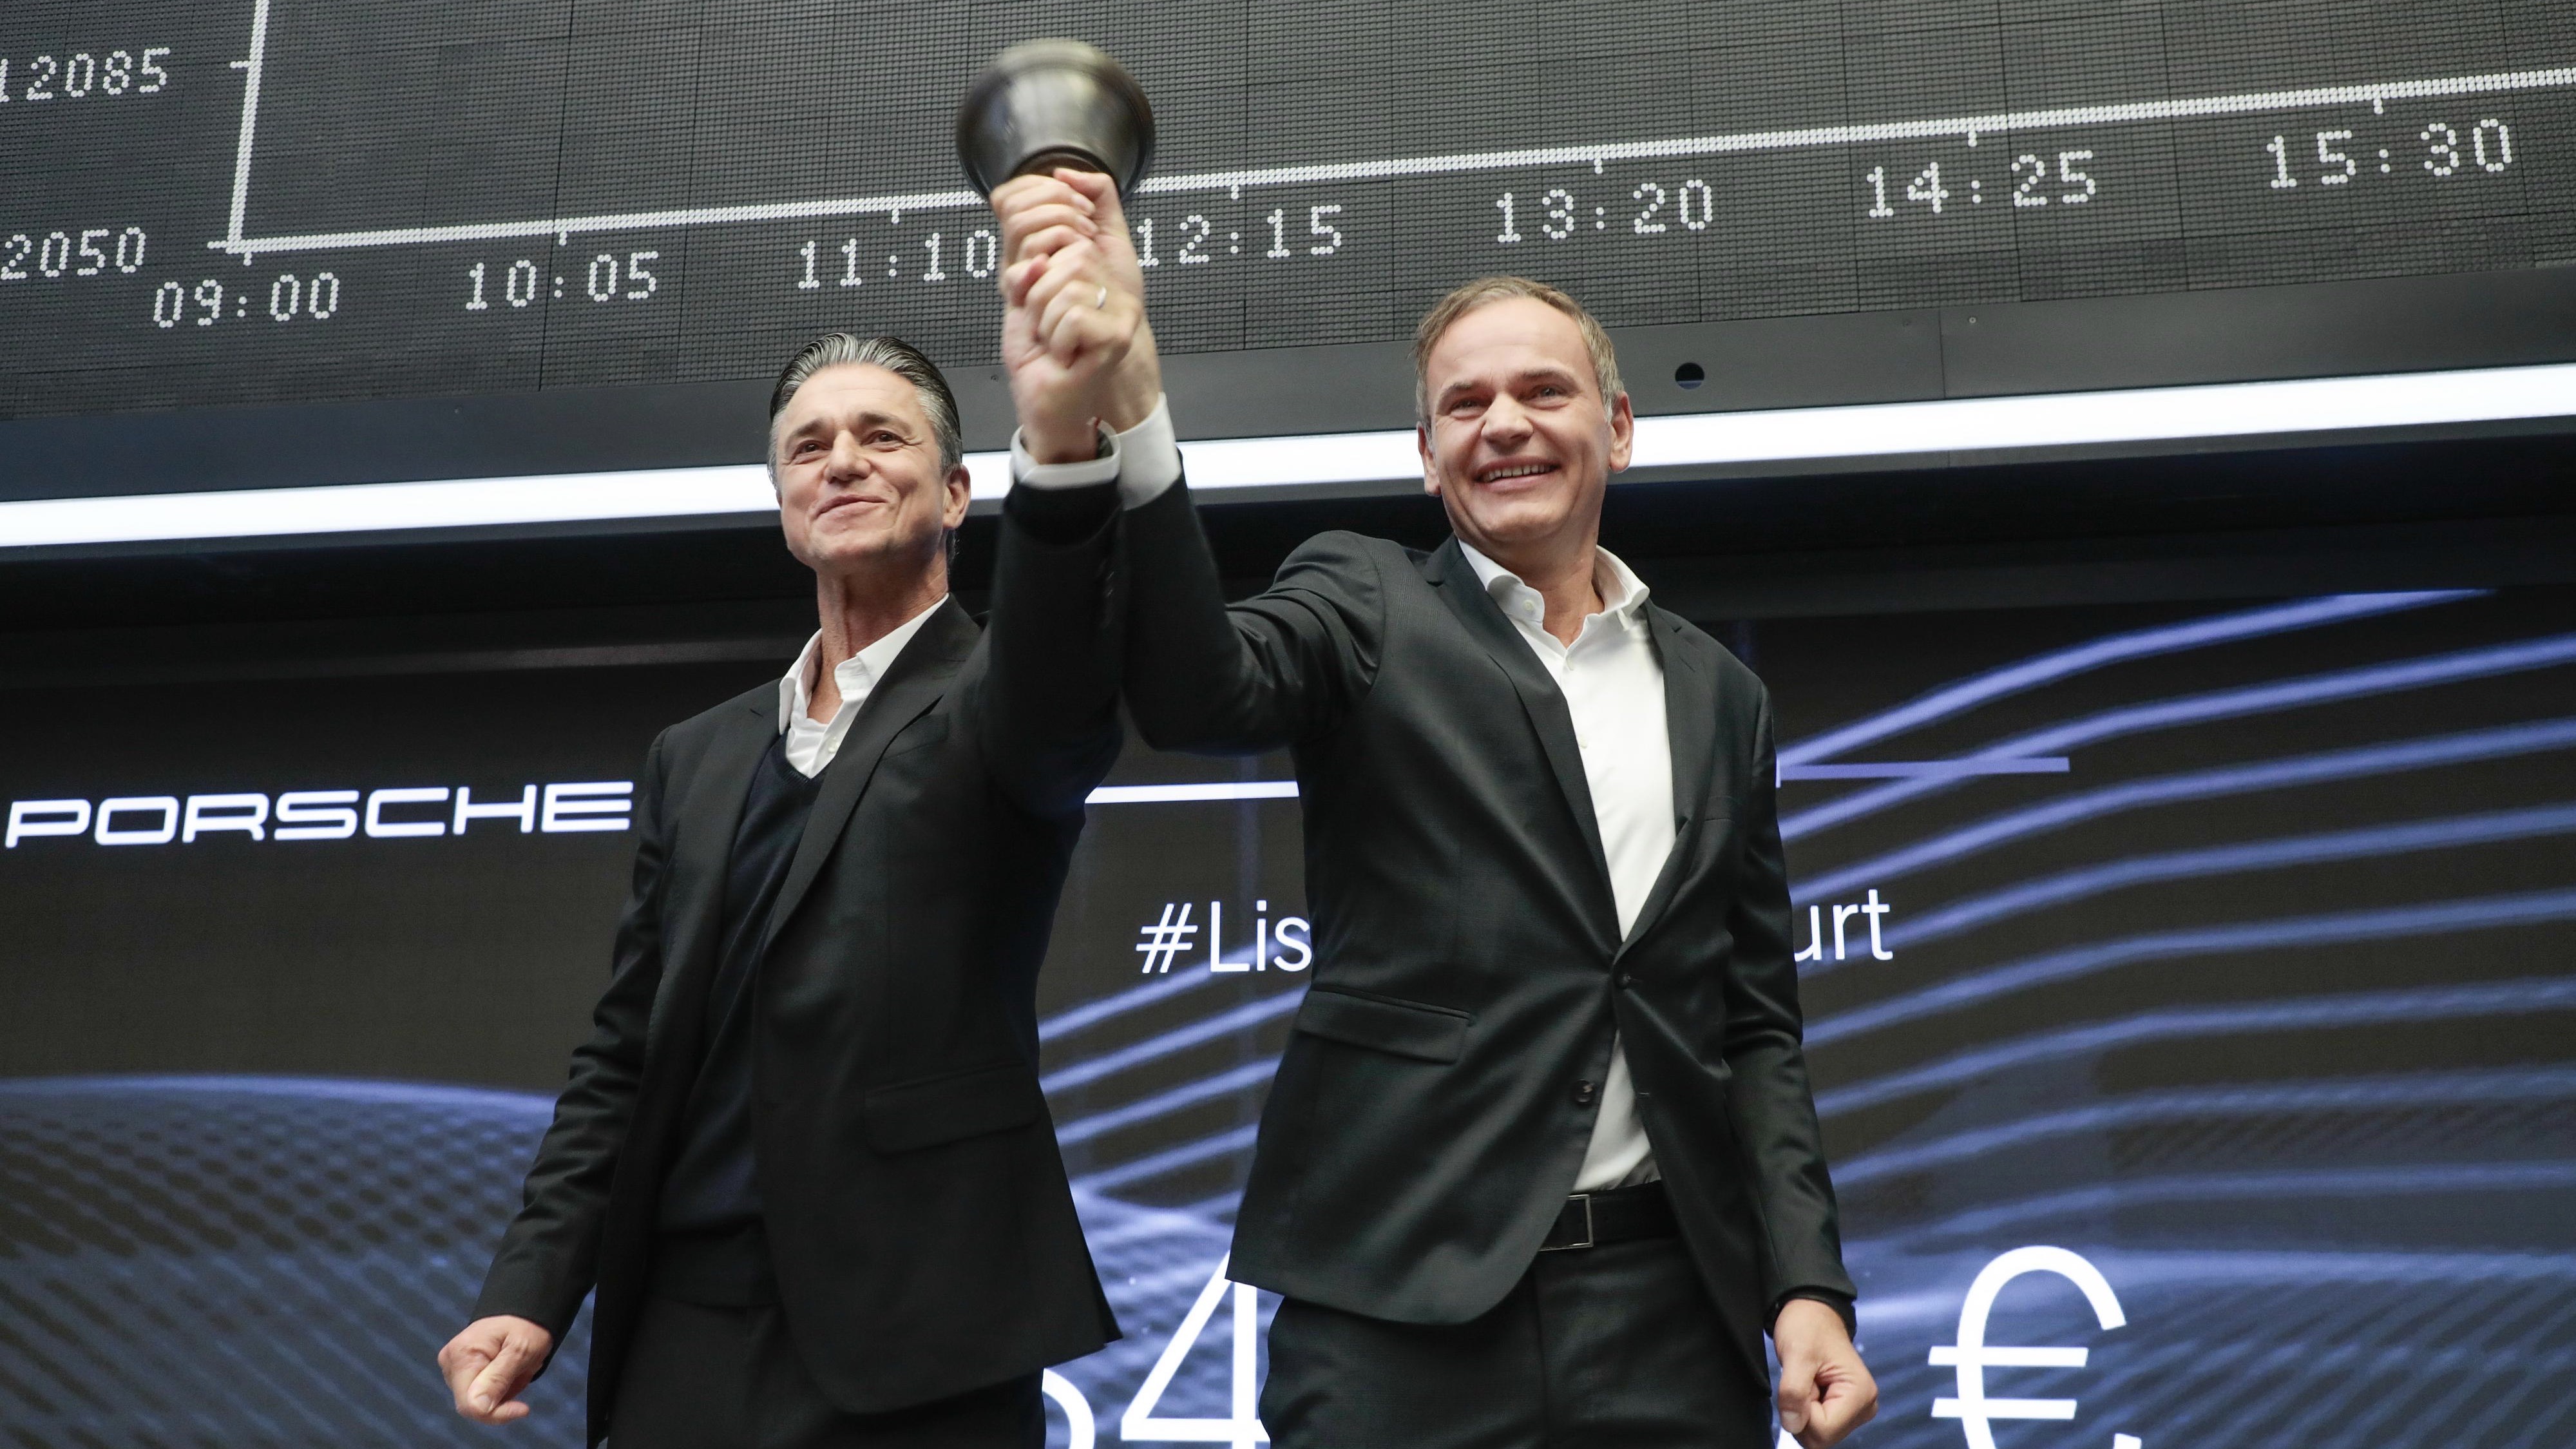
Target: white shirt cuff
{"points": [[1145, 459], [1152, 457], [1026, 469]]}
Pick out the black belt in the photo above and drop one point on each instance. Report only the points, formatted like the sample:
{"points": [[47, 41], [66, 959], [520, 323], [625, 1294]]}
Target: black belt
{"points": [[1621, 1215]]}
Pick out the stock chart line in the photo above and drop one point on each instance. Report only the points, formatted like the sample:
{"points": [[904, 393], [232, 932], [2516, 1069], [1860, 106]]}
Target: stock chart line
{"points": [[1969, 127]]}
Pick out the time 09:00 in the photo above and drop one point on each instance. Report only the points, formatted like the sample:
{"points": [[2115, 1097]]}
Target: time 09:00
{"points": [[289, 298]]}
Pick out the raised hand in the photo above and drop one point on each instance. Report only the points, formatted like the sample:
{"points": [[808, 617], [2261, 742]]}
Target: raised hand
{"points": [[1825, 1389], [1074, 336], [491, 1363]]}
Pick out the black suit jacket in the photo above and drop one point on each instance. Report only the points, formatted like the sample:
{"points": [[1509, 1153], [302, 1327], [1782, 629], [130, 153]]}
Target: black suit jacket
{"points": [[1426, 1124], [918, 1218]]}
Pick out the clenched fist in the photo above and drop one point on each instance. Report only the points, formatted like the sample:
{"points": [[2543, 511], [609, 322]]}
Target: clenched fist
{"points": [[1825, 1390], [1074, 336], [491, 1363]]}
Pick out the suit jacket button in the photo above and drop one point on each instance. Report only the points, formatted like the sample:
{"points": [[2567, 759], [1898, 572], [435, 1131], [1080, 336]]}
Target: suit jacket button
{"points": [[1626, 981], [1584, 1092]]}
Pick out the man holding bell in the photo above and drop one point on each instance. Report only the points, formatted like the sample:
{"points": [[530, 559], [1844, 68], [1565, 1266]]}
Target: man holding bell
{"points": [[1541, 1165], [804, 1157]]}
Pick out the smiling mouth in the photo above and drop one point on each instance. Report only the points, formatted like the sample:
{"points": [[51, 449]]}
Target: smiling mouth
{"points": [[847, 500], [1507, 471]]}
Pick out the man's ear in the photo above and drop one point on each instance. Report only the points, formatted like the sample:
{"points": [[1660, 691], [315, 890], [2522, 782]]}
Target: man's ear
{"points": [[1430, 469], [1623, 432], [961, 492]]}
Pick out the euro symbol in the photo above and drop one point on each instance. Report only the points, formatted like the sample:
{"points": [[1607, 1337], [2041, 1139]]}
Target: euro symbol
{"points": [[1974, 1411]]}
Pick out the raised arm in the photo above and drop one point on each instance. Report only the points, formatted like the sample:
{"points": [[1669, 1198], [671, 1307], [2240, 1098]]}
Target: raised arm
{"points": [[1266, 673], [1283, 666], [549, 1256], [1078, 353], [1047, 702]]}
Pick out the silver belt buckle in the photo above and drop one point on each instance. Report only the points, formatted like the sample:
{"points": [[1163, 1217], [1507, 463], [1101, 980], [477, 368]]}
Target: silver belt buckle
{"points": [[1584, 1198]]}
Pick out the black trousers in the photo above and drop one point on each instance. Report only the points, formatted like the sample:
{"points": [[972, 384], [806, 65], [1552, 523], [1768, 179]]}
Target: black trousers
{"points": [[698, 1377], [1614, 1347]]}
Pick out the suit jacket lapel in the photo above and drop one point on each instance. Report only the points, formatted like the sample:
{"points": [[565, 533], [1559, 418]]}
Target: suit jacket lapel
{"points": [[708, 819], [1690, 726], [1540, 699], [919, 676]]}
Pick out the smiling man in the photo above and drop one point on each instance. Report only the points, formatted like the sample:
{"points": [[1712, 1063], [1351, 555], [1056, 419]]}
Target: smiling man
{"points": [[1541, 1165], [804, 1156]]}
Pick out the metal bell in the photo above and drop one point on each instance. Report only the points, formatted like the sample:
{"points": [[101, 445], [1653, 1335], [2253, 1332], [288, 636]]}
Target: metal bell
{"points": [[1047, 103]]}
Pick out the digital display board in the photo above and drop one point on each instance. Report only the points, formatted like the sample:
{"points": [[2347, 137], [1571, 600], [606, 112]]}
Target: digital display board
{"points": [[2188, 989], [289, 201]]}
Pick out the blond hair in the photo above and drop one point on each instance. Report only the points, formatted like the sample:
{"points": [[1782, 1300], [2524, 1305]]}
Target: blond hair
{"points": [[1466, 299]]}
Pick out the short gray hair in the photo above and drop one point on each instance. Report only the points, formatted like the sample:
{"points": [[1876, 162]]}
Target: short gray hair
{"points": [[1466, 299], [835, 349]]}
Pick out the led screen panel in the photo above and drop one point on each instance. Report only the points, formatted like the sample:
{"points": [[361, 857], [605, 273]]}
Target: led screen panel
{"points": [[291, 201], [2188, 994]]}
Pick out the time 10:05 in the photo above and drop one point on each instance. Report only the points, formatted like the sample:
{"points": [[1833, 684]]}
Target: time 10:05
{"points": [[522, 282]]}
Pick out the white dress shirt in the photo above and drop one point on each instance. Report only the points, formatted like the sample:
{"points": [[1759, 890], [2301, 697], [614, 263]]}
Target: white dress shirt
{"points": [[1613, 682], [811, 743]]}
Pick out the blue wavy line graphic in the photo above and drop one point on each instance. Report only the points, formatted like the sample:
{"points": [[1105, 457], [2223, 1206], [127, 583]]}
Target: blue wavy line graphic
{"points": [[2094, 1199], [1206, 1029], [1172, 1159], [2290, 850], [1161, 988], [2475, 913], [337, 1089], [2327, 767], [2192, 1104], [2031, 673], [1242, 1078], [2299, 693], [2502, 998]]}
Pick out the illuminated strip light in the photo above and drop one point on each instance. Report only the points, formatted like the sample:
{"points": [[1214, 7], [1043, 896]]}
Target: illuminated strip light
{"points": [[1879, 770], [2139, 415], [1986, 425], [1925, 769], [1168, 794], [382, 507]]}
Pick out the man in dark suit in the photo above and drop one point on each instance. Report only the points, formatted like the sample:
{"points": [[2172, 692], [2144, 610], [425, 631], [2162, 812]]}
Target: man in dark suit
{"points": [[804, 1156], [1541, 1163]]}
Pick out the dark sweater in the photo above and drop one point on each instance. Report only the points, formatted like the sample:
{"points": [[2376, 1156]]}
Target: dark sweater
{"points": [[712, 1191]]}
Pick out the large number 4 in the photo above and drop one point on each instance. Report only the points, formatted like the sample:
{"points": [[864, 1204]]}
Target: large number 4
{"points": [[1242, 1428]]}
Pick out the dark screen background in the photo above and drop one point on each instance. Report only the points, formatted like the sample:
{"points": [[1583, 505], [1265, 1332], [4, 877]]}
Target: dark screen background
{"points": [[2261, 1010]]}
